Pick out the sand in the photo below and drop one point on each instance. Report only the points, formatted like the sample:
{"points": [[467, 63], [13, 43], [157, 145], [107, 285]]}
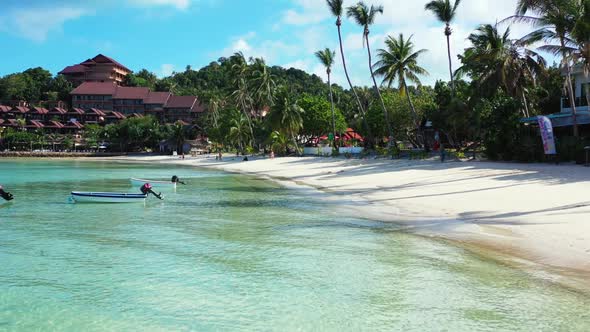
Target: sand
{"points": [[536, 214]]}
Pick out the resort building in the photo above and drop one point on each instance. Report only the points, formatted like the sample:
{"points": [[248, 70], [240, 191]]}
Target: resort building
{"points": [[101, 68], [109, 97], [565, 117], [581, 82]]}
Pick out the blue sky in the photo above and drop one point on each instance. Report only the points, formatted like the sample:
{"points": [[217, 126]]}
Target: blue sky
{"points": [[166, 35]]}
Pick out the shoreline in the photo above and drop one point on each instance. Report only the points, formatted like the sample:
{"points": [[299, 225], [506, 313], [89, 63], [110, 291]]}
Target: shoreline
{"points": [[527, 215]]}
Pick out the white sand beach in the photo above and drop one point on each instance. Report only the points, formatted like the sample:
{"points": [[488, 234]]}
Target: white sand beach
{"points": [[537, 214]]}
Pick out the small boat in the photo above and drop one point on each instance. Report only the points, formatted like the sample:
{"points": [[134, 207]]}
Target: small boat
{"points": [[92, 197], [154, 183]]}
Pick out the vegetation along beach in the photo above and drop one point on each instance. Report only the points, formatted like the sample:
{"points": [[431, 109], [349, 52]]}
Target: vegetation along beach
{"points": [[301, 165]]}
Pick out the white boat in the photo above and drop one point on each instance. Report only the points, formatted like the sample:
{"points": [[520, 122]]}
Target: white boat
{"points": [[98, 197], [153, 183]]}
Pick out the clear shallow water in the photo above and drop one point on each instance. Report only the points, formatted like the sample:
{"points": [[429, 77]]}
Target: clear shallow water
{"points": [[229, 252]]}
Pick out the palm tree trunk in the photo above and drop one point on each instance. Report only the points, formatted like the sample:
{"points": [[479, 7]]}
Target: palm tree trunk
{"points": [[248, 119], [356, 96], [568, 80], [295, 143], [415, 116], [333, 113], [450, 60], [385, 115], [526, 106]]}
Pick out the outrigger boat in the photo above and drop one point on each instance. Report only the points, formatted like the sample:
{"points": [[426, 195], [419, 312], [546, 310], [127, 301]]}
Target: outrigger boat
{"points": [[98, 197]]}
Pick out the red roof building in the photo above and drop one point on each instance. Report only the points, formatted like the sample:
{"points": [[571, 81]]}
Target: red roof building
{"points": [[185, 108], [101, 68]]}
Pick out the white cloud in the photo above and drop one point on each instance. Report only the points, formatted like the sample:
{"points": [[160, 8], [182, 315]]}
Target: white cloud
{"points": [[36, 23], [166, 70], [178, 4]]}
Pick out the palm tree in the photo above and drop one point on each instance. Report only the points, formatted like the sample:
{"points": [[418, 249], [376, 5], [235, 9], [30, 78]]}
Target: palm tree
{"points": [[365, 17], [178, 135], [263, 84], [445, 12], [495, 61], [336, 7], [553, 20], [326, 57], [238, 132], [287, 118], [400, 62], [241, 95]]}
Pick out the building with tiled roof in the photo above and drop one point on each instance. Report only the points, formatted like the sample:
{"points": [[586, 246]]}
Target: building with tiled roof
{"points": [[110, 97], [101, 68]]}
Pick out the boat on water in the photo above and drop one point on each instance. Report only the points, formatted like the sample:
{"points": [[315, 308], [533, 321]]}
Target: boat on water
{"points": [[154, 183], [101, 197]]}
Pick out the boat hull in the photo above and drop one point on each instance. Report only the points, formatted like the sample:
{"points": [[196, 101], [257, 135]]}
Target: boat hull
{"points": [[153, 183], [97, 197]]}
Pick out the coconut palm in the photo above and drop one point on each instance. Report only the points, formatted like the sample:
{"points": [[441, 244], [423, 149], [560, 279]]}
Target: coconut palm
{"points": [[243, 101], [287, 118], [365, 17], [326, 57], [445, 12], [399, 62], [337, 9], [263, 84], [177, 134], [495, 61], [554, 20], [238, 132]]}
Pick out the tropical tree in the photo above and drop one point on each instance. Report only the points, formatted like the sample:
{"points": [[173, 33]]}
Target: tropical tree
{"points": [[286, 117], [495, 61], [177, 134], [554, 20], [399, 62], [238, 132], [263, 84], [445, 12], [326, 57], [241, 94], [365, 17], [337, 8]]}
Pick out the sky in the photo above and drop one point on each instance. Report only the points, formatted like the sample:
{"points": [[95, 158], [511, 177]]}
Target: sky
{"points": [[164, 36]]}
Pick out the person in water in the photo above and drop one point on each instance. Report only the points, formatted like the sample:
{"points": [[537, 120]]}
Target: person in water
{"points": [[5, 195], [146, 189], [176, 179]]}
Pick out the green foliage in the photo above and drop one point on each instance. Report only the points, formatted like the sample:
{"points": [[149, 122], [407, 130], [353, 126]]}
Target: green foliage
{"points": [[317, 118], [133, 134], [502, 131]]}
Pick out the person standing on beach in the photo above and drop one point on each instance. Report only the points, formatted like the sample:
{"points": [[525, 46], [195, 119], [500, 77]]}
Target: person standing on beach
{"points": [[443, 153]]}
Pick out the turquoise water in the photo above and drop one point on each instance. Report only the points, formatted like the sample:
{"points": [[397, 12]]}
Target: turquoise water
{"points": [[229, 252]]}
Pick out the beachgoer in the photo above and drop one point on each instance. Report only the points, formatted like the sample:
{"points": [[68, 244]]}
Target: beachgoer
{"points": [[443, 153], [146, 189], [272, 154], [5, 195], [176, 179], [245, 158], [220, 156]]}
